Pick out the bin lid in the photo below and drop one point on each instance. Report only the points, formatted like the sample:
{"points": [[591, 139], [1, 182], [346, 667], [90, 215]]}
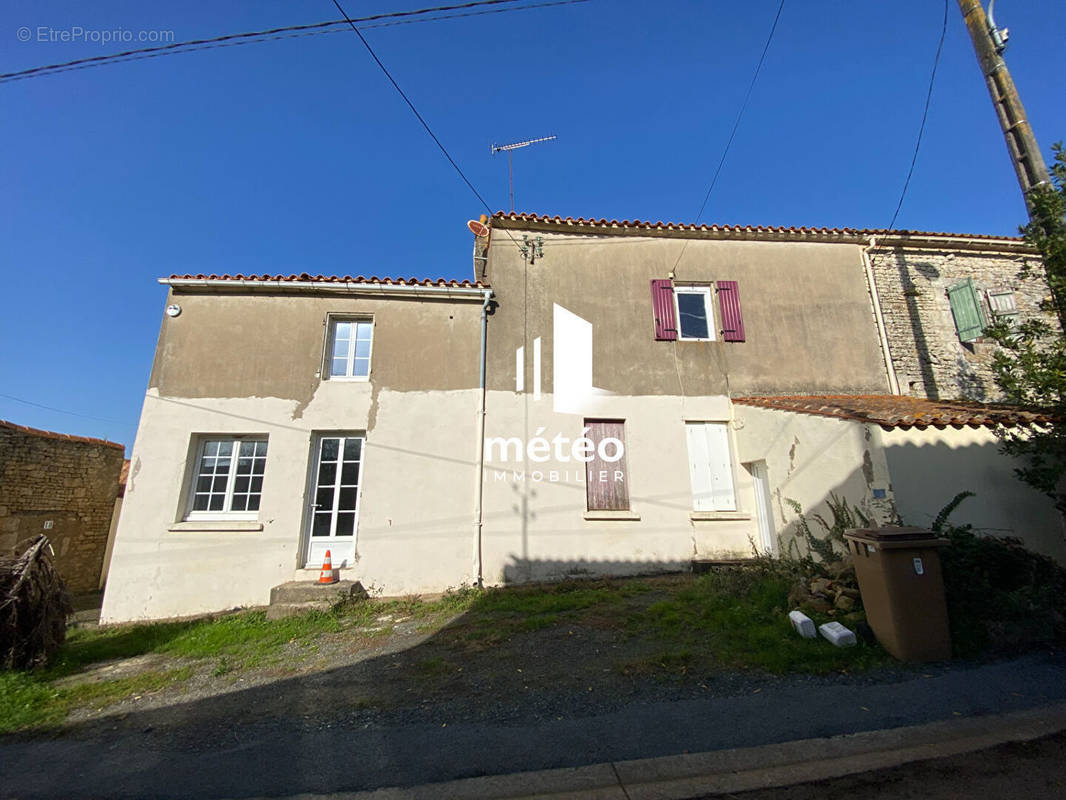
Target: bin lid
{"points": [[897, 533]]}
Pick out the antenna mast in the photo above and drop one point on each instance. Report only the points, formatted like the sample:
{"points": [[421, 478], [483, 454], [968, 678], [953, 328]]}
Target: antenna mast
{"points": [[496, 148]]}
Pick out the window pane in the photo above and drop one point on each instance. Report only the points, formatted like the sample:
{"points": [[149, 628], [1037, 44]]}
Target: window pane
{"points": [[345, 524], [321, 524], [244, 466], [352, 448], [362, 348], [330, 448], [240, 484], [338, 367], [257, 484], [253, 502], [324, 499], [342, 330], [327, 474], [350, 475], [203, 484], [361, 368], [692, 309], [239, 502], [340, 348], [199, 502], [363, 331], [347, 499], [261, 448], [216, 502], [247, 448]]}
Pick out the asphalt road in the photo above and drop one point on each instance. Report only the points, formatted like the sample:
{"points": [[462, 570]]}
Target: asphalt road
{"points": [[233, 747]]}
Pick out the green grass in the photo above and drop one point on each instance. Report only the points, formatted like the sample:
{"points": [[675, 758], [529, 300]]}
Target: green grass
{"points": [[738, 620], [674, 628]]}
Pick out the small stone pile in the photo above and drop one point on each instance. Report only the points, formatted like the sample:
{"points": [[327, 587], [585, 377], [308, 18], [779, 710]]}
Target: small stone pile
{"points": [[833, 592]]}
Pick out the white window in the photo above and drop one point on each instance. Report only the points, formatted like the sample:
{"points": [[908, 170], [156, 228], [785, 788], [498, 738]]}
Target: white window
{"points": [[695, 313], [711, 466], [349, 349], [228, 478]]}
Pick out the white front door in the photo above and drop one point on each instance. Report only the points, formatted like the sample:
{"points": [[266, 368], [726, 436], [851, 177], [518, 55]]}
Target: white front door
{"points": [[334, 511]]}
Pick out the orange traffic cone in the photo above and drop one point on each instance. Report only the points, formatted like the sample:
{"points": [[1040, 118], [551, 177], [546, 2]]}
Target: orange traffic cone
{"points": [[326, 575]]}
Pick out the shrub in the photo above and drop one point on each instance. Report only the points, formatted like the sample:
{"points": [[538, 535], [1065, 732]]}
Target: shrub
{"points": [[1001, 597]]}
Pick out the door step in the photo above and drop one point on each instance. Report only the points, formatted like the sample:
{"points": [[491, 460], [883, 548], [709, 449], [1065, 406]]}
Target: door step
{"points": [[299, 597]]}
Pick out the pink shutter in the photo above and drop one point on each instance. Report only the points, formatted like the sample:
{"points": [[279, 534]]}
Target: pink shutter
{"points": [[662, 308], [729, 303]]}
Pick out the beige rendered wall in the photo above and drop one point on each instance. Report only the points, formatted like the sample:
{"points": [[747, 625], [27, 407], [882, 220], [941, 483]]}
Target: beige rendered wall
{"points": [[537, 526], [808, 314], [929, 467], [808, 458], [416, 506]]}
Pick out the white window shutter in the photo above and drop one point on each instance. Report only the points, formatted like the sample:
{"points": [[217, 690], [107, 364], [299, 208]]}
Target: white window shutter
{"points": [[710, 466]]}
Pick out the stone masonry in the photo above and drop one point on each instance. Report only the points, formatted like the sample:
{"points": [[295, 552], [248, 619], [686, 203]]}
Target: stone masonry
{"points": [[927, 355], [61, 486]]}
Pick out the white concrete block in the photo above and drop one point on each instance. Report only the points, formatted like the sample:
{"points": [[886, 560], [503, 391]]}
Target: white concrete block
{"points": [[837, 634], [803, 624]]}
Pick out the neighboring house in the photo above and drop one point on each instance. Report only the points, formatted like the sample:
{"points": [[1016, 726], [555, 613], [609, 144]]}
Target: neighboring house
{"points": [[937, 295], [649, 394], [64, 487]]}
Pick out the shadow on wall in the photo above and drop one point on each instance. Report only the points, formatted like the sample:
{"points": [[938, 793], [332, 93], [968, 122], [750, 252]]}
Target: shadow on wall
{"points": [[525, 570], [928, 472]]}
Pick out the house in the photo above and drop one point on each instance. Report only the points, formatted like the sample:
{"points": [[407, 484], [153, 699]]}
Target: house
{"points": [[605, 398], [64, 487]]}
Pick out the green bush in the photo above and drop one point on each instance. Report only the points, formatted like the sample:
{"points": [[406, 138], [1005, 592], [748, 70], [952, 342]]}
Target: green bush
{"points": [[1001, 597]]}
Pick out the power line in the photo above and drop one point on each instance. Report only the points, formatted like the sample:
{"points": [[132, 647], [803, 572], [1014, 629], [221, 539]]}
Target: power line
{"points": [[411, 105], [736, 124], [276, 34], [925, 116], [62, 411]]}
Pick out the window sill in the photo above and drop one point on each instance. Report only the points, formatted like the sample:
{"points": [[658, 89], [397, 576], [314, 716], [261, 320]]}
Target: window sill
{"points": [[348, 378], [624, 515], [701, 516], [216, 526]]}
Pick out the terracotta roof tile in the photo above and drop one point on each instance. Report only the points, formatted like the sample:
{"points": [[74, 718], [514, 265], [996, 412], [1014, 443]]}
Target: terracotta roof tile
{"points": [[305, 277], [778, 229], [893, 411], [63, 436]]}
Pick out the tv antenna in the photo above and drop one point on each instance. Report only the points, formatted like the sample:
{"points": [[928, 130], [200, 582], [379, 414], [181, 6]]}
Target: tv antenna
{"points": [[509, 148]]}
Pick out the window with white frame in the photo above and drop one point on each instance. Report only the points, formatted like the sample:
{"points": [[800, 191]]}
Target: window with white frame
{"points": [[710, 466], [228, 478], [349, 348], [695, 313]]}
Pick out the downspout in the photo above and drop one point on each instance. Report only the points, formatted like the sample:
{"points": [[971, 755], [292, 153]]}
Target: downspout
{"points": [[479, 489], [893, 381]]}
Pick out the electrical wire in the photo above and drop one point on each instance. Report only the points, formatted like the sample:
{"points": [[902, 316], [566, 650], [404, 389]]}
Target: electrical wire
{"points": [[61, 411], [925, 116], [736, 126], [277, 34], [411, 106]]}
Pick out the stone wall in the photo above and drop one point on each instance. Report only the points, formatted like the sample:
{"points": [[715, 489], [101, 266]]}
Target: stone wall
{"points": [[927, 355], [61, 486]]}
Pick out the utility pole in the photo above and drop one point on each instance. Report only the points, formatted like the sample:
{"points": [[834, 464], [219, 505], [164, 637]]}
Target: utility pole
{"points": [[509, 148], [989, 42]]}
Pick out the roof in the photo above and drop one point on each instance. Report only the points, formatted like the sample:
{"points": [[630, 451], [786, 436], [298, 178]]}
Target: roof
{"points": [[893, 411], [63, 436], [305, 277], [773, 231]]}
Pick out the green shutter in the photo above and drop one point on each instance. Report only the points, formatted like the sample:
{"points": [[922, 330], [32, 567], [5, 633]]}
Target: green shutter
{"points": [[965, 307]]}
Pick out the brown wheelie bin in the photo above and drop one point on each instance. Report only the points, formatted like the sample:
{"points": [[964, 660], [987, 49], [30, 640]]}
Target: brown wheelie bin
{"points": [[898, 570]]}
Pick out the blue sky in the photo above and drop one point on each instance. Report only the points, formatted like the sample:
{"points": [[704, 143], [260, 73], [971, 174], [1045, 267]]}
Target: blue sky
{"points": [[297, 155]]}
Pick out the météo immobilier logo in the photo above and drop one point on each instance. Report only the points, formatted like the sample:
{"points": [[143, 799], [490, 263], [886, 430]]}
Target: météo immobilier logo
{"points": [[573, 393]]}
